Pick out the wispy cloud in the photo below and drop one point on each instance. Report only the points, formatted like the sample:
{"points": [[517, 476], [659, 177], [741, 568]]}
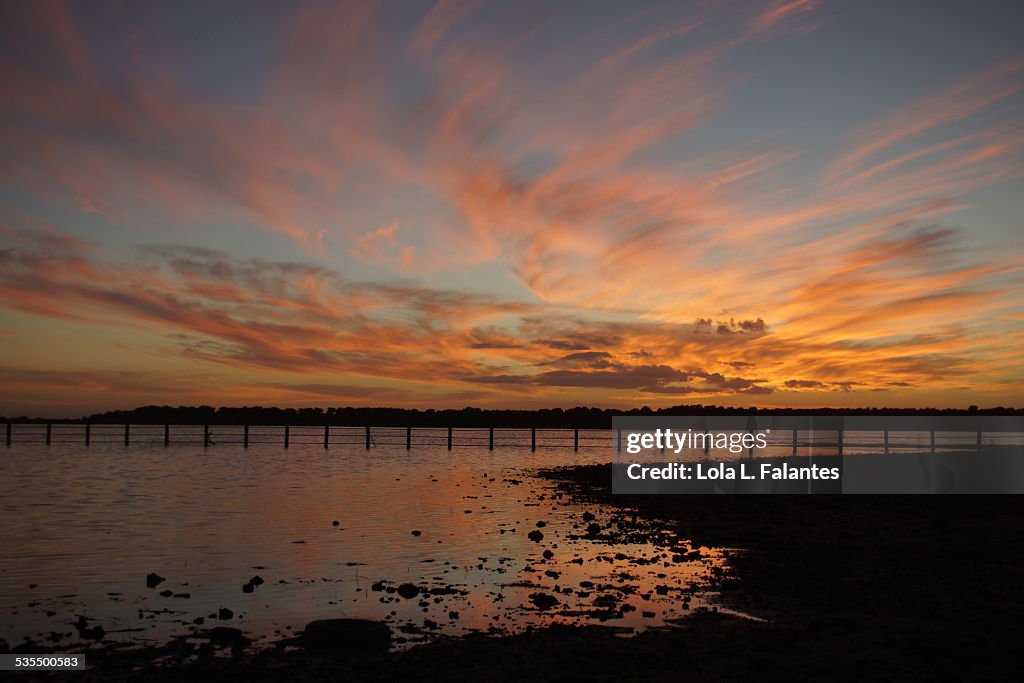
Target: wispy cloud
{"points": [[561, 165]]}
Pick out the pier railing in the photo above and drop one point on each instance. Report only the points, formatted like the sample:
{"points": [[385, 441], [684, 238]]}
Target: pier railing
{"points": [[780, 442], [290, 435]]}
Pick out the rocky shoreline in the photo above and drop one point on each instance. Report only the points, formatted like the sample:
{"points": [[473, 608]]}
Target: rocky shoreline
{"points": [[908, 588]]}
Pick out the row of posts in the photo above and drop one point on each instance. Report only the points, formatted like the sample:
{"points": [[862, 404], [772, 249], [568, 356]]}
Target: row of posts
{"points": [[408, 438], [287, 436]]}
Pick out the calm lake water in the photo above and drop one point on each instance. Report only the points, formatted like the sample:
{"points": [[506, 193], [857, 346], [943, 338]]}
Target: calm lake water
{"points": [[82, 528]]}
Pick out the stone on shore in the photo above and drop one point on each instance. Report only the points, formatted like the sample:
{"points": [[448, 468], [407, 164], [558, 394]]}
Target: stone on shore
{"points": [[346, 636]]}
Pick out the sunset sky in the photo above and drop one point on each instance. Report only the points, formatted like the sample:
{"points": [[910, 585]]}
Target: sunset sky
{"points": [[510, 204]]}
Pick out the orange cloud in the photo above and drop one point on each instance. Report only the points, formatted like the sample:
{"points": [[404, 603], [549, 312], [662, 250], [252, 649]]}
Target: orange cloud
{"points": [[564, 171]]}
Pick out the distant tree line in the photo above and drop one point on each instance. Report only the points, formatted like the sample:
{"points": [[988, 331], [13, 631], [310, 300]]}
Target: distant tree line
{"points": [[589, 418]]}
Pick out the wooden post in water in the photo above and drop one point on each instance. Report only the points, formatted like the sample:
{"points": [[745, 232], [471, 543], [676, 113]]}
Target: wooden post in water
{"points": [[167, 435], [490, 438], [408, 438], [449, 438], [327, 435], [49, 433], [977, 443], [127, 430], [206, 435], [576, 439], [533, 438], [367, 437], [8, 433], [885, 442], [245, 436], [932, 438], [287, 434], [88, 433]]}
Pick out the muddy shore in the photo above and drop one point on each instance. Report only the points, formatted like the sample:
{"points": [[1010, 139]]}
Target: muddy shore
{"points": [[851, 588]]}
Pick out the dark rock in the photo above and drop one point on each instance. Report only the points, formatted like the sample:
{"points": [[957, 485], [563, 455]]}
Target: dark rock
{"points": [[347, 636], [335, 523], [256, 580], [227, 636], [224, 614], [548, 554], [535, 536], [541, 525], [408, 590], [416, 532], [153, 580], [544, 601], [588, 517], [593, 529], [248, 588], [95, 633], [166, 593]]}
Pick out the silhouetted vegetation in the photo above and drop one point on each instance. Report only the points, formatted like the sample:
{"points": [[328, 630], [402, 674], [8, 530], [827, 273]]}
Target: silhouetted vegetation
{"points": [[587, 418]]}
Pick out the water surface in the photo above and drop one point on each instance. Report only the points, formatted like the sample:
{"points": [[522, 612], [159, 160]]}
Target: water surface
{"points": [[331, 532]]}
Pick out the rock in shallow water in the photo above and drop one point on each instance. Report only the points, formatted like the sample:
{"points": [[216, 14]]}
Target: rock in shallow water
{"points": [[346, 636], [543, 601], [408, 591]]}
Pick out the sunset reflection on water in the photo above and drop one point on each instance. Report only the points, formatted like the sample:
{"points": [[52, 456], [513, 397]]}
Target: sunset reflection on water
{"points": [[486, 546]]}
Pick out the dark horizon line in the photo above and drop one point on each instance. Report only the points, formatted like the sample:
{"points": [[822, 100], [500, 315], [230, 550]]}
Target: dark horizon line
{"points": [[579, 416]]}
